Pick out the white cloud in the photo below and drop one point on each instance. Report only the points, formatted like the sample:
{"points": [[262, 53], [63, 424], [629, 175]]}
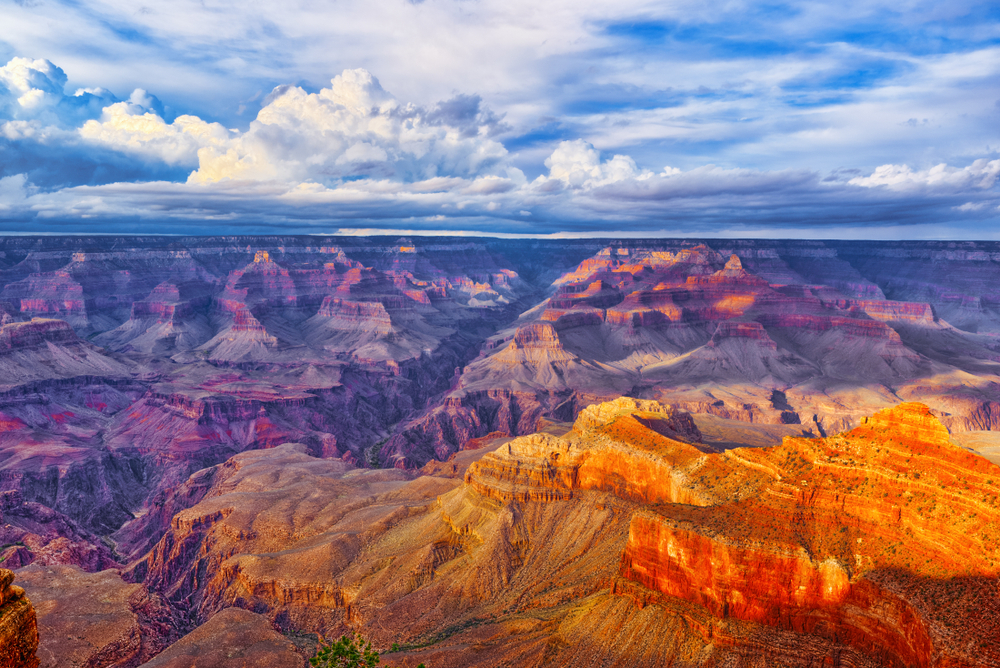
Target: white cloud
{"points": [[352, 128], [981, 174], [33, 91], [32, 85], [578, 164], [128, 127]]}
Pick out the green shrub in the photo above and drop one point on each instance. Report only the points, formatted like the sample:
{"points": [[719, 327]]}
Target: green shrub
{"points": [[351, 651]]}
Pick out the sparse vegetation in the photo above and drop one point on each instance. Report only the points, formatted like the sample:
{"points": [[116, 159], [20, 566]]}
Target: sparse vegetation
{"points": [[351, 651]]}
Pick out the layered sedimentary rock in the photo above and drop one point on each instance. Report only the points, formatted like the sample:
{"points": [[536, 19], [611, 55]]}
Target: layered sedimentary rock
{"points": [[172, 317], [840, 538], [155, 360], [18, 625], [687, 323], [173, 355], [627, 540], [45, 348], [719, 327]]}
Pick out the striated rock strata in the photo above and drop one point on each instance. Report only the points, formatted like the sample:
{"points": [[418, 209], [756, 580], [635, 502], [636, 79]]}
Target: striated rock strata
{"points": [[627, 539]]}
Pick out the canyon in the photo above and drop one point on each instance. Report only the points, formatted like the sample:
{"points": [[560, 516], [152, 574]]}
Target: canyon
{"points": [[503, 452]]}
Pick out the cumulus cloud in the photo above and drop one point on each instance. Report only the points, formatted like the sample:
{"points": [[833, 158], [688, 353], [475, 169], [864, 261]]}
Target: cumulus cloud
{"points": [[32, 85], [351, 129], [40, 131], [34, 91], [356, 128], [980, 174], [355, 154], [131, 128], [578, 164]]}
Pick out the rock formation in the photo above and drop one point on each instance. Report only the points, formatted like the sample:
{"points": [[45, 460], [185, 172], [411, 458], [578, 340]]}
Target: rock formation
{"points": [[625, 540], [95, 619], [18, 625], [721, 327], [147, 387], [234, 638]]}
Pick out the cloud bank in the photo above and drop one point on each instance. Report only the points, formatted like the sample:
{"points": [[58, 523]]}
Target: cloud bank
{"points": [[497, 117]]}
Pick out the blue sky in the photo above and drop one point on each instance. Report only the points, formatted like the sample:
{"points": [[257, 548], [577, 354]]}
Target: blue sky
{"points": [[815, 119]]}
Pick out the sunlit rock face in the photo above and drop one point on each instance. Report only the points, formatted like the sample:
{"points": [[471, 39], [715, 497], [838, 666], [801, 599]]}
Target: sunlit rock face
{"points": [[18, 625], [624, 538], [843, 539]]}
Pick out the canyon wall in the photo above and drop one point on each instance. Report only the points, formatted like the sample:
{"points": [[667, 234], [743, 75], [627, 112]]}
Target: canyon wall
{"points": [[148, 388], [573, 545]]}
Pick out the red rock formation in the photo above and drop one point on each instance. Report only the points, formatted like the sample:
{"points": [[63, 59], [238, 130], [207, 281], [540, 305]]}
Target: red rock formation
{"points": [[800, 553], [53, 294], [18, 625], [805, 552], [19, 335], [742, 330], [351, 315]]}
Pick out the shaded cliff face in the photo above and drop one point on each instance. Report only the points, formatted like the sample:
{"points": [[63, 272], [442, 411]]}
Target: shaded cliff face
{"points": [[18, 625], [624, 540], [127, 365]]}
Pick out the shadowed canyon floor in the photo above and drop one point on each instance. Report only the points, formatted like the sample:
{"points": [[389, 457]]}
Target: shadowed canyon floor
{"points": [[340, 433]]}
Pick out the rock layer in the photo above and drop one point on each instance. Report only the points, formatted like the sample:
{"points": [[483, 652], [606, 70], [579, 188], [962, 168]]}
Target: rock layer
{"points": [[557, 546], [233, 638]]}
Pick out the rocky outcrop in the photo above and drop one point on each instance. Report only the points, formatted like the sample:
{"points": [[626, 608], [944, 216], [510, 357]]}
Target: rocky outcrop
{"points": [[49, 295], [18, 625], [473, 414], [346, 314], [95, 619], [232, 638], [800, 553], [534, 344], [33, 532], [835, 528], [45, 348], [38, 332]]}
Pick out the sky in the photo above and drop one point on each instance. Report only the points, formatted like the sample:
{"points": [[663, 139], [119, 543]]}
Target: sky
{"points": [[847, 120]]}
